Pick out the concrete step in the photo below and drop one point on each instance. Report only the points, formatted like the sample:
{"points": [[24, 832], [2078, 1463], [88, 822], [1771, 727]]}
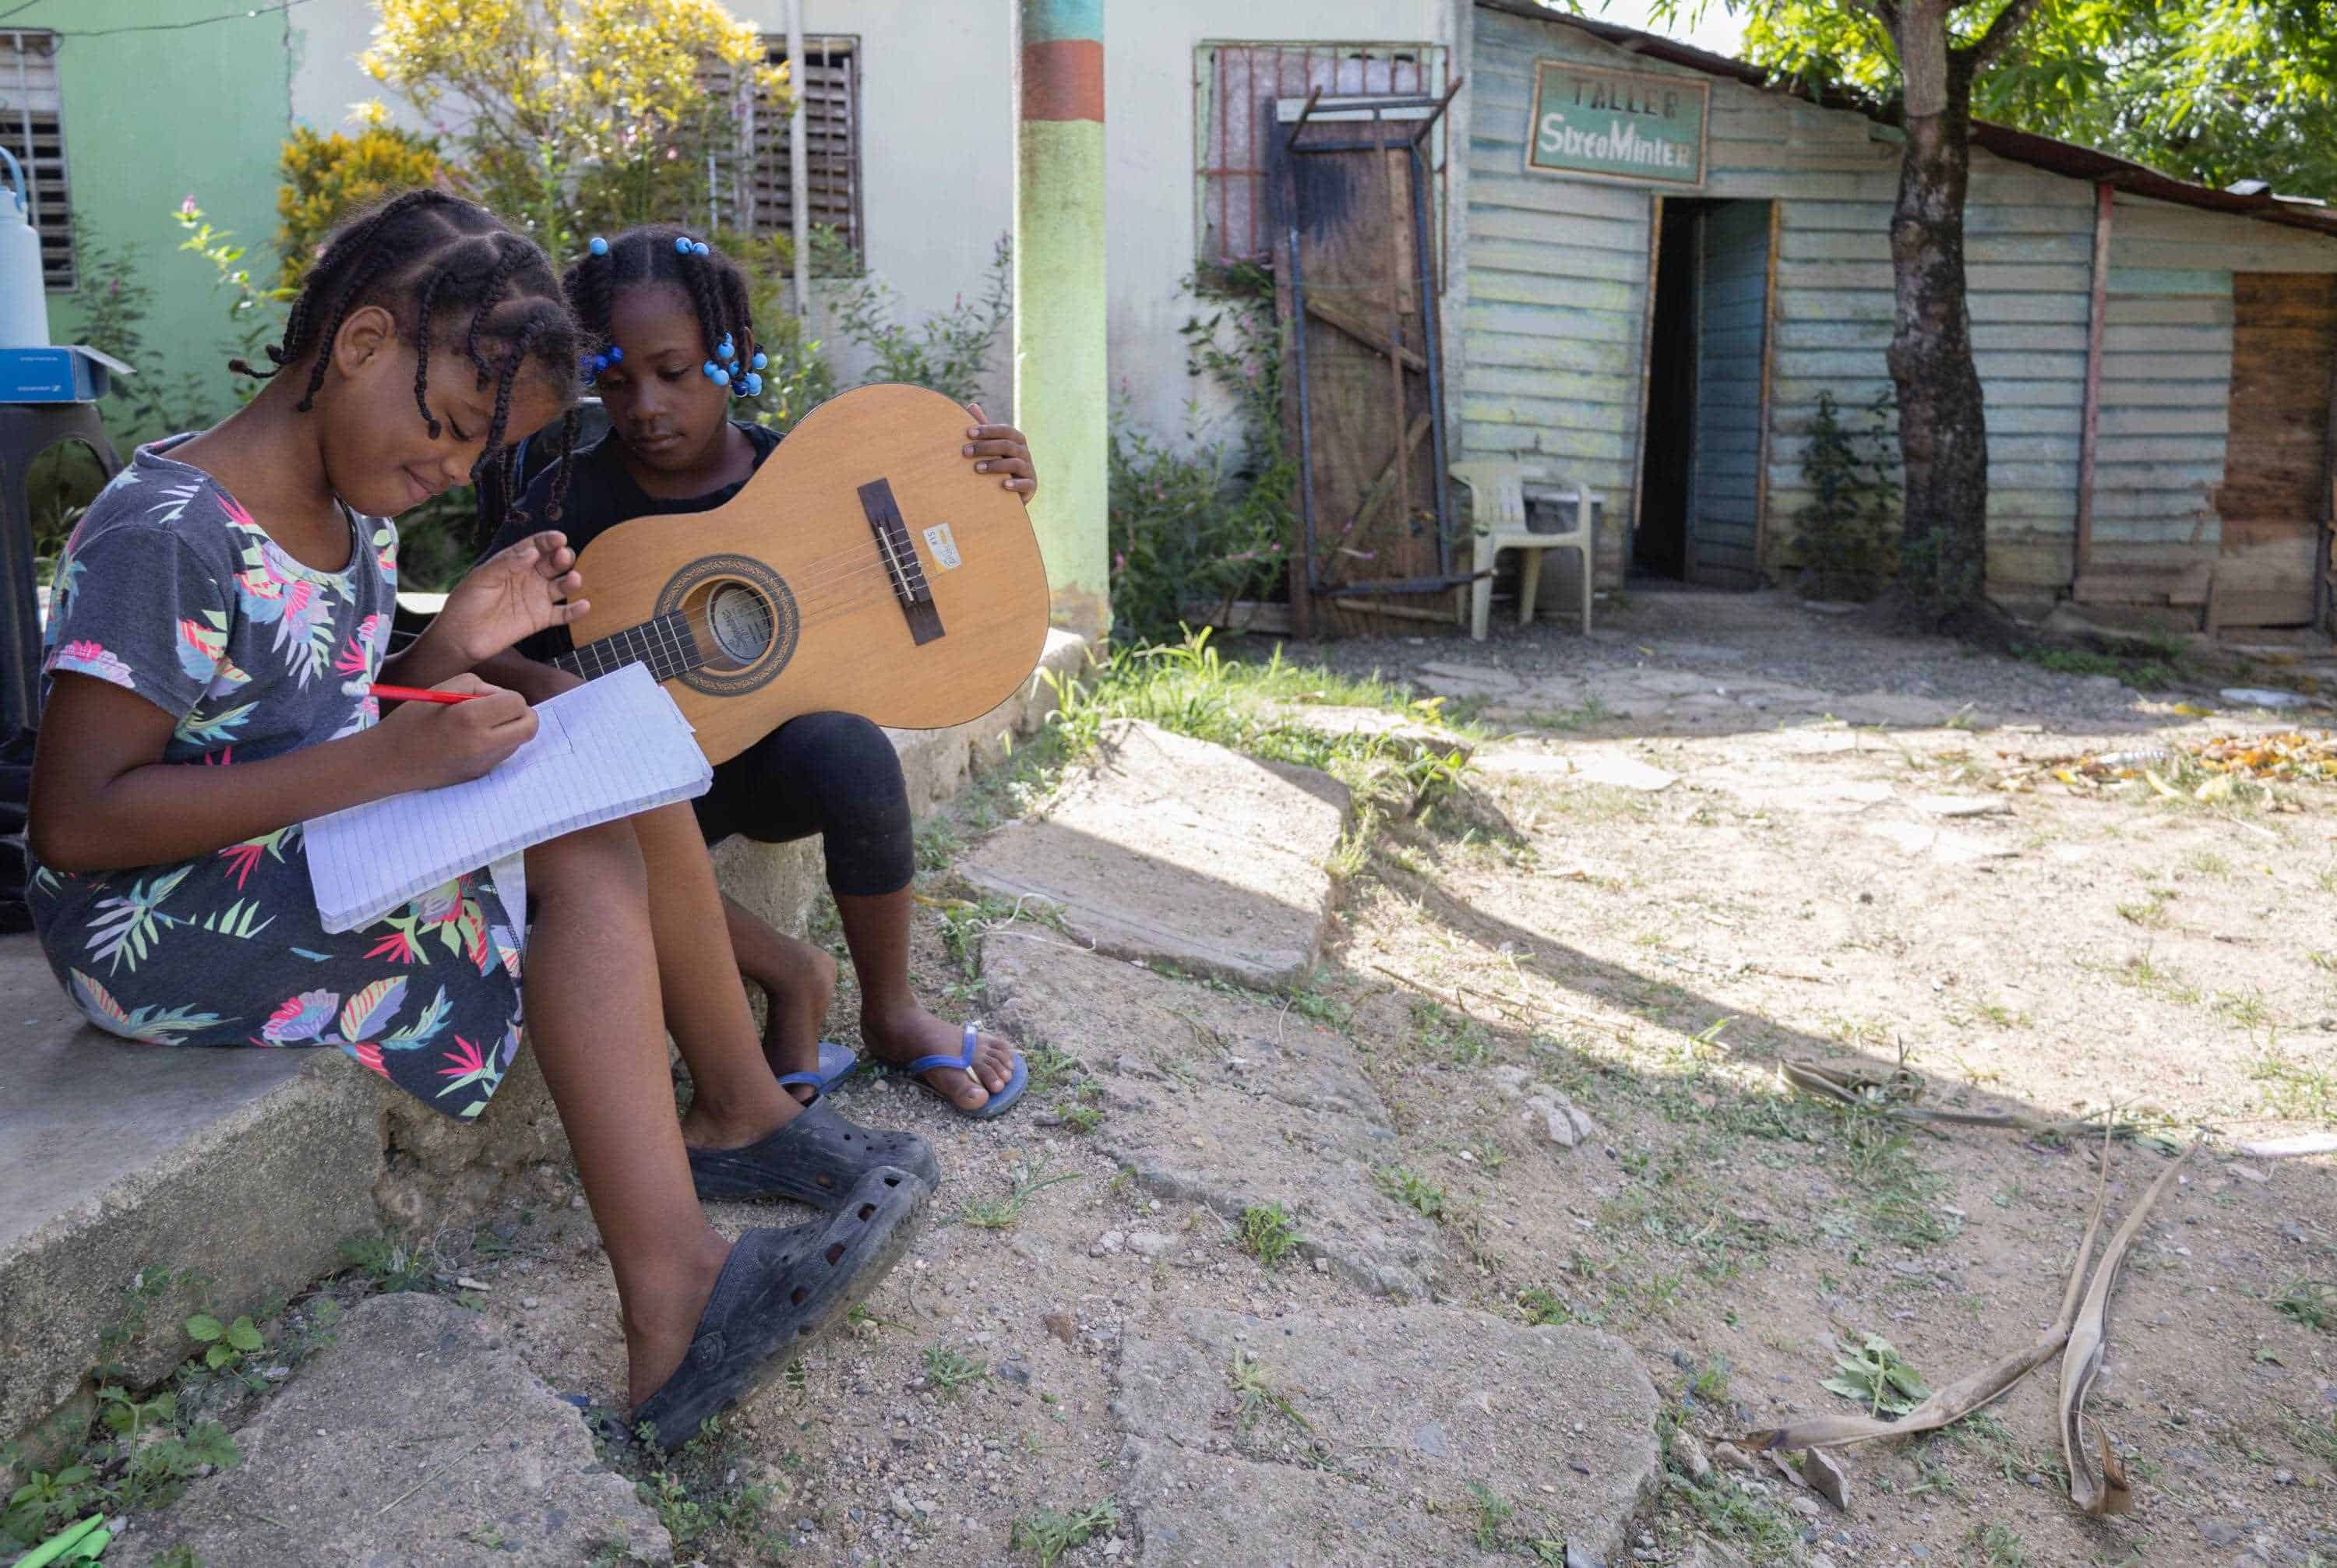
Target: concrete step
{"points": [[237, 1174]]}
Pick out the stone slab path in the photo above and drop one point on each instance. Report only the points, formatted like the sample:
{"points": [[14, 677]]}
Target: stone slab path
{"points": [[1182, 850], [1224, 1101], [418, 1437], [1377, 1412]]}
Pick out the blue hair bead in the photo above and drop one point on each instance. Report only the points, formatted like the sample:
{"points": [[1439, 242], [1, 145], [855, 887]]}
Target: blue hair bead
{"points": [[681, 246], [760, 360], [599, 247], [714, 372], [616, 354], [754, 385], [700, 247]]}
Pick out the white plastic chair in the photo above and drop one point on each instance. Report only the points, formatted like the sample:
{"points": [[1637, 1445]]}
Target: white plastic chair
{"points": [[1497, 492]]}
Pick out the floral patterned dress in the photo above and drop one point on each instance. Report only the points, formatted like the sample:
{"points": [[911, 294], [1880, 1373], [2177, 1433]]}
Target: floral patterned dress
{"points": [[169, 589]]}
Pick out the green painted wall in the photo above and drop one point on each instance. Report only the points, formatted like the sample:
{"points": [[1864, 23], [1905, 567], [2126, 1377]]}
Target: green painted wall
{"points": [[152, 116]]}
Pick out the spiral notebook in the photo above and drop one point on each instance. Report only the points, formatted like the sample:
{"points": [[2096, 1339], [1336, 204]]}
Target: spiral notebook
{"points": [[608, 748]]}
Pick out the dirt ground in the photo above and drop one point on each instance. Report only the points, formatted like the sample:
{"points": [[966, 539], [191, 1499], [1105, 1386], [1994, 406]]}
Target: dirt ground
{"points": [[1800, 888]]}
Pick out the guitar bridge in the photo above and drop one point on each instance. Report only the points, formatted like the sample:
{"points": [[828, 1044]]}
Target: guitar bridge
{"points": [[902, 567]]}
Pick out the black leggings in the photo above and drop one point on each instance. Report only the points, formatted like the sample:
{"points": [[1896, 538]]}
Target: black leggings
{"points": [[834, 774]]}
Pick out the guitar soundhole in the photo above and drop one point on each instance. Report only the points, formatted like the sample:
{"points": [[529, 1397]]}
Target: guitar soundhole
{"points": [[741, 624], [743, 617]]}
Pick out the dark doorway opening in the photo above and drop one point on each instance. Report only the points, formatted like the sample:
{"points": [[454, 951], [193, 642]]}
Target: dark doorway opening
{"points": [[1659, 543]]}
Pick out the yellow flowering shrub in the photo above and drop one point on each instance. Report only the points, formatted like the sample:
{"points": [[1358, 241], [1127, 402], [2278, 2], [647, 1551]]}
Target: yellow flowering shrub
{"points": [[578, 113], [326, 177]]}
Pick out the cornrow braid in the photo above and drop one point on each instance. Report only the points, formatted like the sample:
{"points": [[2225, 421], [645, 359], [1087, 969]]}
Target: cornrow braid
{"points": [[367, 269], [512, 253], [432, 260], [713, 284], [422, 314], [557, 500]]}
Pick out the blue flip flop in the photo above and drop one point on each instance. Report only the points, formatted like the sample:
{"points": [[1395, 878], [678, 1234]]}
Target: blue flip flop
{"points": [[998, 1104], [836, 1062]]}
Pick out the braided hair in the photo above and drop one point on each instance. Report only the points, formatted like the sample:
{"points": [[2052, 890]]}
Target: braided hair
{"points": [[716, 287], [451, 273]]}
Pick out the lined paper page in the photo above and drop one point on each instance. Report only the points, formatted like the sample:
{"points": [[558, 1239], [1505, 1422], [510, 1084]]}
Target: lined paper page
{"points": [[606, 750]]}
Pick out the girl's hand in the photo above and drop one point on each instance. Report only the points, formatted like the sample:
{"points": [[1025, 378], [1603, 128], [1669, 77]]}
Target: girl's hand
{"points": [[1000, 449], [513, 593], [435, 744]]}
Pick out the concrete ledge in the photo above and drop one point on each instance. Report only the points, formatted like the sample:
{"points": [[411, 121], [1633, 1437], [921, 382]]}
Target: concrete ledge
{"points": [[249, 1167]]}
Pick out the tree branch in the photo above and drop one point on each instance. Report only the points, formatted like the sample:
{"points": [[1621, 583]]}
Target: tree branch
{"points": [[1882, 11], [1999, 36]]}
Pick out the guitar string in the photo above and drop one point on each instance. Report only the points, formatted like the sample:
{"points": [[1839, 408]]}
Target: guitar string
{"points": [[839, 590]]}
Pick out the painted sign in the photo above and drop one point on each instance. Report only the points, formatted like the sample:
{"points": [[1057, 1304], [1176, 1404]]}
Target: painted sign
{"points": [[1618, 124]]}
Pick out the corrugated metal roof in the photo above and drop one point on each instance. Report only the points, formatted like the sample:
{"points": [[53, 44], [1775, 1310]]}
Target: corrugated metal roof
{"points": [[2046, 152]]}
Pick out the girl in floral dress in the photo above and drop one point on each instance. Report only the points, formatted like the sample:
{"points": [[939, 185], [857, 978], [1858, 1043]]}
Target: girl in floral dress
{"points": [[220, 616]]}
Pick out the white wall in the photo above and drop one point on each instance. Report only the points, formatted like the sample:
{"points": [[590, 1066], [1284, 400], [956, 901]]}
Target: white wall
{"points": [[1148, 138], [937, 138]]}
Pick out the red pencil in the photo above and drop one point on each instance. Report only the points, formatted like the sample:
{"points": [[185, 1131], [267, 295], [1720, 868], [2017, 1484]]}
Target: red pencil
{"points": [[415, 694]]}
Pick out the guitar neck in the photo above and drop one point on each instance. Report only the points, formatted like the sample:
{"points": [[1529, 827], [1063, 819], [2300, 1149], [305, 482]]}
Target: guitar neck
{"points": [[665, 644]]}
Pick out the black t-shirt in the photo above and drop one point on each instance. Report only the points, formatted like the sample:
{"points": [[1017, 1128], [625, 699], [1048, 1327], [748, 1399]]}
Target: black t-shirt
{"points": [[602, 494]]}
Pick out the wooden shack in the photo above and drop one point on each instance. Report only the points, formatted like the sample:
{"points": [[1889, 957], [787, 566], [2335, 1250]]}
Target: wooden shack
{"points": [[1662, 262]]}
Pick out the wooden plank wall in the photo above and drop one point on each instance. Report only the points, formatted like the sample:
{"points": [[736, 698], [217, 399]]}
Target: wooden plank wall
{"points": [[1558, 274], [1733, 287]]}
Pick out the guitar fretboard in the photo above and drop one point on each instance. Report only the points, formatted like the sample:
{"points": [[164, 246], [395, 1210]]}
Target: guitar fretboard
{"points": [[664, 645]]}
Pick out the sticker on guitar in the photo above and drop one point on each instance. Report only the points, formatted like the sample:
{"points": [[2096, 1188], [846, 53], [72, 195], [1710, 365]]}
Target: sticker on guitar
{"points": [[944, 547]]}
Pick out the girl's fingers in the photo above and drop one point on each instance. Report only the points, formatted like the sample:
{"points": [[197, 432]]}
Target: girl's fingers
{"points": [[1019, 466], [1014, 447], [561, 614], [979, 416]]}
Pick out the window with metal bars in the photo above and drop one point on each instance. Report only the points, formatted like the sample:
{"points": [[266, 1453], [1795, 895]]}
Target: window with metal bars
{"points": [[1235, 88], [760, 183], [33, 127]]}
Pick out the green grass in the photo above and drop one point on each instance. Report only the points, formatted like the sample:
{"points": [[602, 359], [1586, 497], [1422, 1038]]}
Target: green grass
{"points": [[1437, 1031], [2160, 667], [2311, 1302], [1999, 1546], [1257, 1398], [1542, 1306], [1494, 1513], [2294, 1089], [1267, 1233], [948, 1369], [1412, 1191], [998, 1213], [1048, 1534]]}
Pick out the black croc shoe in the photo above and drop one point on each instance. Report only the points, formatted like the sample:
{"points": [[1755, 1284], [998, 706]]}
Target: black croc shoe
{"points": [[815, 1159], [778, 1290]]}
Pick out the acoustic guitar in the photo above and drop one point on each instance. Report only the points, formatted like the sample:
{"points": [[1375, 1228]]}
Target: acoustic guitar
{"points": [[865, 568]]}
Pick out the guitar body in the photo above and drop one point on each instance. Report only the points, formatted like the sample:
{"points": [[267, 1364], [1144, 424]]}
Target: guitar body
{"points": [[865, 568]]}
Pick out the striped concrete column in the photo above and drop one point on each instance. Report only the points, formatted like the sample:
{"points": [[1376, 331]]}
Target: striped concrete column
{"points": [[1061, 393]]}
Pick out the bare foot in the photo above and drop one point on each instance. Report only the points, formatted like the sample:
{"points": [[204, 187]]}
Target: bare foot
{"points": [[659, 1328], [905, 1036], [795, 999]]}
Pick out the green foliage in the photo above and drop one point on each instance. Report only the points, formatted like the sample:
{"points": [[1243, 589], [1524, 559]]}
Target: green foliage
{"points": [[2311, 1302], [949, 1369], [1048, 1534], [698, 1496], [1201, 522], [326, 177], [254, 312], [1412, 1191], [225, 1344], [949, 352], [1268, 1232], [1844, 536], [581, 116], [1872, 1373], [2209, 90]]}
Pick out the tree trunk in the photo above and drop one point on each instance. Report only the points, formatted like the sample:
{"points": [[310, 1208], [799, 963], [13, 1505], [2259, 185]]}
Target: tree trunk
{"points": [[1943, 427]]}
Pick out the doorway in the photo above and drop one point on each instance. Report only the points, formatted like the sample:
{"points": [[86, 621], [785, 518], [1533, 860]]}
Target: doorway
{"points": [[1699, 495]]}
